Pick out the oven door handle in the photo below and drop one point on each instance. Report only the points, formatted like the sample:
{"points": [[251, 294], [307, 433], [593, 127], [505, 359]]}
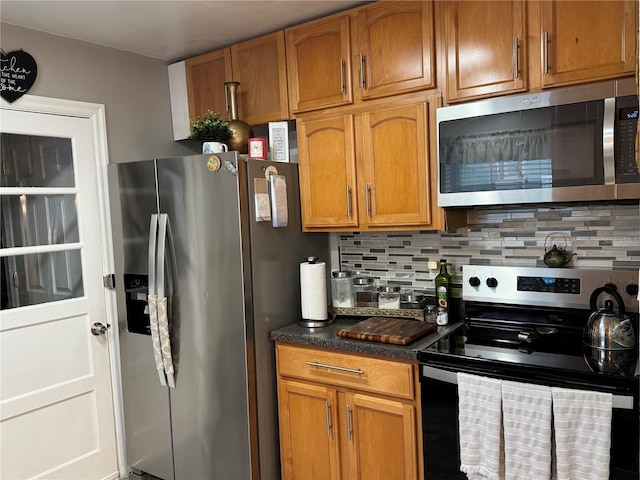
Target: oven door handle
{"points": [[441, 375], [622, 402]]}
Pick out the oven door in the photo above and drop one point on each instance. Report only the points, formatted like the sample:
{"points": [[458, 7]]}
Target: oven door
{"points": [[440, 427]]}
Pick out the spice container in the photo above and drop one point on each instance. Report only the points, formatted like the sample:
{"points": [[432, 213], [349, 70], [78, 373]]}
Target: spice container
{"points": [[365, 291], [342, 295], [389, 297]]}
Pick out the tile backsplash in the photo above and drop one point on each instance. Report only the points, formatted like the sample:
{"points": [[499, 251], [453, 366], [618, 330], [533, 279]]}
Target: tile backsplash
{"points": [[602, 236]]}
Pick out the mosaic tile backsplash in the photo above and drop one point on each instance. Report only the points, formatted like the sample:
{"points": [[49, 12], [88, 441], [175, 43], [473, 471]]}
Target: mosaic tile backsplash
{"points": [[602, 236]]}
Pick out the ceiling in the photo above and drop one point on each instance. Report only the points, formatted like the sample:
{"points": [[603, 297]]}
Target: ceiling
{"points": [[169, 30]]}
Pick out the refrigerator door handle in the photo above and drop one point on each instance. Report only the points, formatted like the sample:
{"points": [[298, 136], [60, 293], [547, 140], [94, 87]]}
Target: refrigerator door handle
{"points": [[164, 230], [152, 299]]}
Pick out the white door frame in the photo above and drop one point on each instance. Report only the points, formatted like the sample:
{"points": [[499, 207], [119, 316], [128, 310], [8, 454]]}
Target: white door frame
{"points": [[95, 113]]}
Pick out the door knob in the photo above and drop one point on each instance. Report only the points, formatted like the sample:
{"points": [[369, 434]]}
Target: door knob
{"points": [[99, 329]]}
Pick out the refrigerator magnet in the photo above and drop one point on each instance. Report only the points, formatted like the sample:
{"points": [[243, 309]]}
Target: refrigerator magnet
{"points": [[269, 171], [213, 163]]}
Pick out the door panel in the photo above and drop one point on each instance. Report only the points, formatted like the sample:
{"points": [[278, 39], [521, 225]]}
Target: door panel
{"points": [[396, 187], [56, 410]]}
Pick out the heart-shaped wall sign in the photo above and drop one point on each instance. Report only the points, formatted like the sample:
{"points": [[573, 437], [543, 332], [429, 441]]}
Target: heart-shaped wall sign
{"points": [[17, 74]]}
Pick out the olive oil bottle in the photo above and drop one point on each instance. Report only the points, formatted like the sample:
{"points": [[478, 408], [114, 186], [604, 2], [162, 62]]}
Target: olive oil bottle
{"points": [[443, 285]]}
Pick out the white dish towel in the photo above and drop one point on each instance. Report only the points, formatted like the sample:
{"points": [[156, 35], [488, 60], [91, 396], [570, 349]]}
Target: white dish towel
{"points": [[480, 424], [582, 428], [526, 411]]}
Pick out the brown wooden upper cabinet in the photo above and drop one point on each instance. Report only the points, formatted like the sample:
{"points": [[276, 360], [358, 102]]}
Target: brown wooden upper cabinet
{"points": [[535, 44], [379, 50], [394, 49], [369, 170], [481, 60], [206, 75], [260, 67], [319, 64], [588, 40]]}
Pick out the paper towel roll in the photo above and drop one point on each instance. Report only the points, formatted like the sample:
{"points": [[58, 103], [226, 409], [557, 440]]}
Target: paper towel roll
{"points": [[313, 291]]}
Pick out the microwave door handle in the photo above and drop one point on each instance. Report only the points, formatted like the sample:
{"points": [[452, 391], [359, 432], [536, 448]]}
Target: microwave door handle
{"points": [[152, 300], [164, 328], [608, 141]]}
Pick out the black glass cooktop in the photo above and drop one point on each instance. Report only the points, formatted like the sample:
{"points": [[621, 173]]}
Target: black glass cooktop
{"points": [[549, 353]]}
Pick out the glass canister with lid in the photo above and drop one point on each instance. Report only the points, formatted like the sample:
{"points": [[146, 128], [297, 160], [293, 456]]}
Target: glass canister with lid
{"points": [[389, 297], [365, 292], [342, 295]]}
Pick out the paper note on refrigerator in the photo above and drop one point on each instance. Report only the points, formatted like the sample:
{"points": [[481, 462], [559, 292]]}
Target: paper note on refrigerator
{"points": [[261, 198], [279, 207]]}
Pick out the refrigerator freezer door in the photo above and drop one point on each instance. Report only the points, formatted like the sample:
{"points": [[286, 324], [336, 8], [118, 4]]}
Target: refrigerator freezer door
{"points": [[146, 402], [209, 410], [276, 254]]}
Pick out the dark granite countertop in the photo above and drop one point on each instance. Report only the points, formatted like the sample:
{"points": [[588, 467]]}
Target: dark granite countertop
{"points": [[327, 337]]}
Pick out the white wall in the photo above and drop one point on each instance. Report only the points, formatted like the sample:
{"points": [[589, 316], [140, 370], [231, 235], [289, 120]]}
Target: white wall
{"points": [[133, 88]]}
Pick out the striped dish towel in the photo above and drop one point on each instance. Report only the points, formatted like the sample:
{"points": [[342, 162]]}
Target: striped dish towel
{"points": [[582, 428], [526, 411], [480, 424]]}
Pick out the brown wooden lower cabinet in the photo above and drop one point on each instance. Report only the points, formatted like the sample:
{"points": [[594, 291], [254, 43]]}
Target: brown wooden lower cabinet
{"points": [[346, 416]]}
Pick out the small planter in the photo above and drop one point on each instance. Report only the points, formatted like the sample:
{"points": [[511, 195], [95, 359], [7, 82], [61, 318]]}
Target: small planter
{"points": [[210, 127]]}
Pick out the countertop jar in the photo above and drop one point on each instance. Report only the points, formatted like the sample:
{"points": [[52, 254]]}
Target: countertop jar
{"points": [[364, 289], [342, 295], [389, 297]]}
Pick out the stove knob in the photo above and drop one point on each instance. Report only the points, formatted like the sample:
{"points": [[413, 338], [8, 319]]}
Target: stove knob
{"points": [[492, 282], [632, 289], [474, 281]]}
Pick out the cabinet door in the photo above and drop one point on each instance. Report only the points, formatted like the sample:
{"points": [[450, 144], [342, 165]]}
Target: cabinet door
{"points": [[319, 64], [381, 438], [395, 188], [308, 431], [326, 161], [484, 61], [396, 48], [260, 67], [590, 40], [206, 75]]}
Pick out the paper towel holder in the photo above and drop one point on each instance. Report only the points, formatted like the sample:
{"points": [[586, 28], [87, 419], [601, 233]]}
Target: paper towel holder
{"points": [[308, 323]]}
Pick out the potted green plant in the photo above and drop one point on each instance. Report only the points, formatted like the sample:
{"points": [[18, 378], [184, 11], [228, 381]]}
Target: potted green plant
{"points": [[210, 127]]}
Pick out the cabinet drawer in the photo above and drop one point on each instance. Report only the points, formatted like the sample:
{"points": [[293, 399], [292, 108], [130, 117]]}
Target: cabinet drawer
{"points": [[363, 373]]}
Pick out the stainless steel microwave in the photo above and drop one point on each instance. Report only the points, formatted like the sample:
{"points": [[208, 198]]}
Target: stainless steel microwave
{"points": [[563, 145]]}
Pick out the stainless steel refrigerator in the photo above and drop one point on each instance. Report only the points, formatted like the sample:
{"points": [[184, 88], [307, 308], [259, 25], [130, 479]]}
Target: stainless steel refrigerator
{"points": [[196, 231]]}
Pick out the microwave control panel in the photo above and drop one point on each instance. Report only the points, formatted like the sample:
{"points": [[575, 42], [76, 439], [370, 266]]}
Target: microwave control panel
{"points": [[625, 131]]}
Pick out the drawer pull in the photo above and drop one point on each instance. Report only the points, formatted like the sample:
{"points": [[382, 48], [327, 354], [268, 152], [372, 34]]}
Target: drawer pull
{"points": [[333, 367]]}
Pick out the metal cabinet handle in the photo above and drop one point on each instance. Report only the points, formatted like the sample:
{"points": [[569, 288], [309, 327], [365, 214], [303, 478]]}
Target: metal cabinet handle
{"points": [[342, 87], [349, 201], [327, 411], [367, 196], [545, 52], [516, 66], [349, 426], [361, 70], [333, 367]]}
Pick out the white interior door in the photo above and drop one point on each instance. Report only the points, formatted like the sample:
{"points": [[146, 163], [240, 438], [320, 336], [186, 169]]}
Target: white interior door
{"points": [[56, 404]]}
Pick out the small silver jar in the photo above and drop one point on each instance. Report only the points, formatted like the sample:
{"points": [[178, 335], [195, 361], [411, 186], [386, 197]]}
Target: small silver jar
{"points": [[389, 297]]}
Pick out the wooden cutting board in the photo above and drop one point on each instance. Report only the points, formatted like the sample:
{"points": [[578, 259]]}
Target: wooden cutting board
{"points": [[397, 331]]}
